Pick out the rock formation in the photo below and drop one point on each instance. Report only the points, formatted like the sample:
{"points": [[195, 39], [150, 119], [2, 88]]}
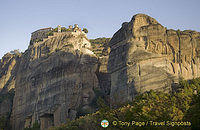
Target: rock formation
{"points": [[56, 80], [101, 49], [8, 68], [8, 71], [61, 74], [145, 55]]}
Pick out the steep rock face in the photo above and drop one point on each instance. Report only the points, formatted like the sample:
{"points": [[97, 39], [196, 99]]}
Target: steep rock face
{"points": [[145, 55], [101, 49], [8, 71], [6, 102], [56, 80], [8, 67]]}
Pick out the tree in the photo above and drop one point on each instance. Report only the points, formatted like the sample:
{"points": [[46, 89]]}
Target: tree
{"points": [[55, 29], [50, 33], [85, 30], [63, 29]]}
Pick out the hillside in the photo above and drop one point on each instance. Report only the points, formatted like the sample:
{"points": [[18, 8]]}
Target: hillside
{"points": [[150, 110], [63, 76], [100, 46]]}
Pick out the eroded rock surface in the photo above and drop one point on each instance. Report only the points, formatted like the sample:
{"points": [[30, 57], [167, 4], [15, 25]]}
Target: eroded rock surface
{"points": [[55, 81], [58, 77], [8, 68], [145, 55]]}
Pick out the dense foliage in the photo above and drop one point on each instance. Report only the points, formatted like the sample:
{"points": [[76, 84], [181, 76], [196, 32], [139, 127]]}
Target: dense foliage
{"points": [[182, 105], [38, 40], [85, 30], [102, 40], [63, 29], [50, 33], [100, 46]]}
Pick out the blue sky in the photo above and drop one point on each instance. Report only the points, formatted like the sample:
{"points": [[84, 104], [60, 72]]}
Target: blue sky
{"points": [[18, 18]]}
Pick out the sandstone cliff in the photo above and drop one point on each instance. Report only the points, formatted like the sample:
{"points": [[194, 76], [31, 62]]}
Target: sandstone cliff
{"points": [[8, 71], [60, 76], [8, 68], [56, 80], [101, 50], [145, 55]]}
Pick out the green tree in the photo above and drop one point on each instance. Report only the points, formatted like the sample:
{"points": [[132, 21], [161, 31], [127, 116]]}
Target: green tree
{"points": [[55, 29], [63, 29], [50, 33], [36, 126], [85, 30], [183, 105]]}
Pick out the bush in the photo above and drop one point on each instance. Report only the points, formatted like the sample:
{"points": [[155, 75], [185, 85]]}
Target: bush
{"points": [[183, 105], [38, 40], [55, 29], [50, 33], [63, 29], [85, 30], [68, 30], [36, 126]]}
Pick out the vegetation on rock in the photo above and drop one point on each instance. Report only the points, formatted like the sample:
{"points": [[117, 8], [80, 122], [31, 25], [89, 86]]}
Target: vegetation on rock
{"points": [[36, 126], [55, 29], [85, 30], [50, 33], [63, 29], [100, 46], [183, 105]]}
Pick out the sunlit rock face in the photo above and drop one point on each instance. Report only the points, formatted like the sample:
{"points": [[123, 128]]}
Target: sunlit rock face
{"points": [[145, 55], [8, 68], [55, 81]]}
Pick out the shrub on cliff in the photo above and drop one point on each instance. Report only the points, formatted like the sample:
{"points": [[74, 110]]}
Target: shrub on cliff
{"points": [[38, 40], [36, 126], [63, 29], [55, 29], [85, 30], [50, 33], [100, 46]]}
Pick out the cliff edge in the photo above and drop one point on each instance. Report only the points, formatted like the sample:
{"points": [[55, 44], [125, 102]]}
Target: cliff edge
{"points": [[55, 81], [145, 55]]}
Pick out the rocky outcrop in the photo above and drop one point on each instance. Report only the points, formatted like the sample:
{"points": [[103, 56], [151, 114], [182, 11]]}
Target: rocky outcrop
{"points": [[8, 71], [6, 102], [56, 81], [145, 55], [60, 76], [8, 68], [101, 49]]}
